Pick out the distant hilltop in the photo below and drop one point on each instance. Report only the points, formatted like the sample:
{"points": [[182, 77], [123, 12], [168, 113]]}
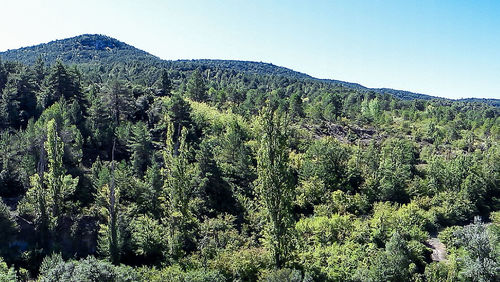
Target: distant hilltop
{"points": [[101, 49]]}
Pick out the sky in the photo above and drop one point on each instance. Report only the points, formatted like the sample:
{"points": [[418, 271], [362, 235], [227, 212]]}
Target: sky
{"points": [[446, 48]]}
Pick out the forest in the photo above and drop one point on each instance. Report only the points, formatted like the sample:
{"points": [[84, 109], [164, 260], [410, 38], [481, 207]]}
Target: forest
{"points": [[130, 168]]}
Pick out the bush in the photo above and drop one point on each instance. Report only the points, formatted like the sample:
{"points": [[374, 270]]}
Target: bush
{"points": [[242, 264], [174, 273], [285, 274], [89, 269], [6, 274]]}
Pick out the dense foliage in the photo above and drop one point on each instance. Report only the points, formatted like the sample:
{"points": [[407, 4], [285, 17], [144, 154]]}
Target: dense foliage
{"points": [[127, 170]]}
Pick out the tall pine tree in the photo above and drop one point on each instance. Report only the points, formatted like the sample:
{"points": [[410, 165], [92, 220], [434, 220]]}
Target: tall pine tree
{"points": [[9, 105], [166, 84], [196, 87]]}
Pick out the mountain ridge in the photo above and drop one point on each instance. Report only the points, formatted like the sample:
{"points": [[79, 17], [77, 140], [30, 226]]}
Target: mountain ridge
{"points": [[98, 48]]}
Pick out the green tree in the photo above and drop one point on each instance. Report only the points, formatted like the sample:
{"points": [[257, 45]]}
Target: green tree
{"points": [[26, 89], [151, 197], [398, 261], [166, 84], [332, 106], [481, 259], [140, 144], [61, 82], [99, 119], [8, 225], [275, 187], [178, 111], [326, 159], [7, 274], [215, 191], [9, 105], [147, 238], [110, 240], [51, 188], [36, 203], [59, 183], [180, 193], [3, 75], [88, 269], [40, 70], [196, 87], [119, 101], [396, 169], [296, 107], [235, 158]]}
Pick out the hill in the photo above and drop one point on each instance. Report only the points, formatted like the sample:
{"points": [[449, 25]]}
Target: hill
{"points": [[100, 49], [126, 167], [87, 48]]}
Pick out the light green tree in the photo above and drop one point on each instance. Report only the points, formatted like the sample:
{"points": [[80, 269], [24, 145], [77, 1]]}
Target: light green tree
{"points": [[108, 199], [45, 199], [179, 192], [6, 273], [60, 184], [275, 188]]}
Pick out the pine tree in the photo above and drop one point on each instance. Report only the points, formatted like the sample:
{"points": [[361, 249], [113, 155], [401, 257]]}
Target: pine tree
{"points": [[3, 75], [62, 83], [119, 100], [154, 186], [196, 87], [27, 96], [178, 113], [275, 187], [166, 84], [398, 259], [99, 120], [238, 167], [40, 70], [9, 105], [140, 148], [296, 107]]}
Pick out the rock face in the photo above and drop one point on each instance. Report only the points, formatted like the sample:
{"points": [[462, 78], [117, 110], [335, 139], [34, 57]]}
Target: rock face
{"points": [[438, 249]]}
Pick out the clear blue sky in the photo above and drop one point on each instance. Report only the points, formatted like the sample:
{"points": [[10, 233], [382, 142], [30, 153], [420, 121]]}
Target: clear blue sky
{"points": [[443, 48]]}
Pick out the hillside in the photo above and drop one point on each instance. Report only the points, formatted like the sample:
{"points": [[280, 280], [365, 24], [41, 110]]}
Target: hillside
{"points": [[100, 49], [119, 166], [82, 49]]}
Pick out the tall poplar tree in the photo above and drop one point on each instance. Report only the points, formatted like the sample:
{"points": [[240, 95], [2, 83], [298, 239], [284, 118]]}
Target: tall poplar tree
{"points": [[275, 187], [60, 184], [50, 186], [180, 192], [108, 200]]}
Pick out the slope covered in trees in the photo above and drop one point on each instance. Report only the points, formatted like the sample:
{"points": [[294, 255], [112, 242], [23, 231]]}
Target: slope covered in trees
{"points": [[144, 170], [98, 49]]}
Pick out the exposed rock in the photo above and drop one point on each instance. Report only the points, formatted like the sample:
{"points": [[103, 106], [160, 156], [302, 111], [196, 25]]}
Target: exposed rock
{"points": [[438, 249]]}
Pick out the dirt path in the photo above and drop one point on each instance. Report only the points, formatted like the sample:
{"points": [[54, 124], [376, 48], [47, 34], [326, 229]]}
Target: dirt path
{"points": [[438, 249]]}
